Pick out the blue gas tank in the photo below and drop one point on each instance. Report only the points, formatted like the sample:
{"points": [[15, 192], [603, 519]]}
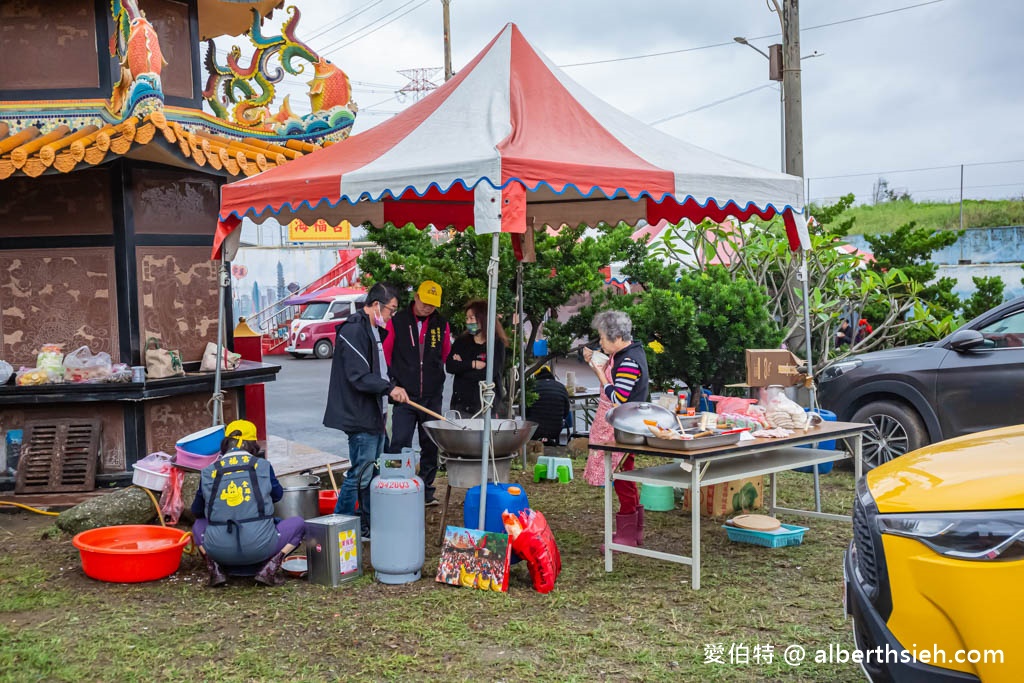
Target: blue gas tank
{"points": [[500, 497]]}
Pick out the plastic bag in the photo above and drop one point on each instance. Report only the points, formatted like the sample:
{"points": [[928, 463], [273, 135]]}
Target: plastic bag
{"points": [[783, 412], [5, 372], [171, 504], [30, 377], [533, 541], [120, 372], [49, 359], [158, 462], [81, 365]]}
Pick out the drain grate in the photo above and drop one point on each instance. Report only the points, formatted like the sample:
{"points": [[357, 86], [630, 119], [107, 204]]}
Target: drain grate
{"points": [[58, 456]]}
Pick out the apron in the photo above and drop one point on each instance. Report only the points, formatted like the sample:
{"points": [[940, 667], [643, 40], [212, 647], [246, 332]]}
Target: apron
{"points": [[600, 430]]}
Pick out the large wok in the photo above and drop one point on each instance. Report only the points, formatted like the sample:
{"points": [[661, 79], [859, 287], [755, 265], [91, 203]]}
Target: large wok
{"points": [[465, 437]]}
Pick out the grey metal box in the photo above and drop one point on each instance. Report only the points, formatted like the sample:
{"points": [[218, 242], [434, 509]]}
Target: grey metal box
{"points": [[334, 549]]}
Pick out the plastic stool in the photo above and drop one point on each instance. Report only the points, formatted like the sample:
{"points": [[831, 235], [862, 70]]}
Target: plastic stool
{"points": [[553, 463], [540, 472], [563, 475]]}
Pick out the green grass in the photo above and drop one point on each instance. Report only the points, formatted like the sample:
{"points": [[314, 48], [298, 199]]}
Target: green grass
{"points": [[641, 622], [887, 216]]}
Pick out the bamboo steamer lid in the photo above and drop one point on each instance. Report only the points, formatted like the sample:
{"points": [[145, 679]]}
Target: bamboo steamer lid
{"points": [[756, 522]]}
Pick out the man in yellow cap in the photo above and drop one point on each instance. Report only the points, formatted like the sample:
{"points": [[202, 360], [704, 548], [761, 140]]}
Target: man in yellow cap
{"points": [[416, 348]]}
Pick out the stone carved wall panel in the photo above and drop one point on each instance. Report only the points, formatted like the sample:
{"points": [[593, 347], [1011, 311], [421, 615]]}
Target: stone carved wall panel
{"points": [[178, 298], [112, 448], [169, 419], [170, 201], [70, 299]]}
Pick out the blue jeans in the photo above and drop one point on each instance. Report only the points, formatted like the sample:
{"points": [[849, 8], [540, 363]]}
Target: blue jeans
{"points": [[363, 447]]}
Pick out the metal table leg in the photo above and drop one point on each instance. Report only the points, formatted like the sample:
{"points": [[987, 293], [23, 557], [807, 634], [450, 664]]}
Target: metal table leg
{"points": [[608, 510], [695, 473]]}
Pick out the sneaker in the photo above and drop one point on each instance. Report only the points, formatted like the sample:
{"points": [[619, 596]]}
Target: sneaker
{"points": [[431, 502]]}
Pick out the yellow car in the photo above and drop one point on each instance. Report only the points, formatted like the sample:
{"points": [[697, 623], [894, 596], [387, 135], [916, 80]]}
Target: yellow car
{"points": [[935, 573]]}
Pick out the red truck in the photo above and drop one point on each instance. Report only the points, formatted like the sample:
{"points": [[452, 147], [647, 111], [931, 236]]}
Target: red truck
{"points": [[312, 333]]}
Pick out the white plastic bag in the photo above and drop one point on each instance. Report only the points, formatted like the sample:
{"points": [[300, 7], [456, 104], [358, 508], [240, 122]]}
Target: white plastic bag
{"points": [[5, 372], [81, 365]]}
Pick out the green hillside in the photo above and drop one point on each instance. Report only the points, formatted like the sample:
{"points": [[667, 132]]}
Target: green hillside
{"points": [[887, 216]]}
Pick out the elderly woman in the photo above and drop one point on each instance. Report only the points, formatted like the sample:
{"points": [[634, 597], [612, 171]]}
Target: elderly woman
{"points": [[623, 378]]}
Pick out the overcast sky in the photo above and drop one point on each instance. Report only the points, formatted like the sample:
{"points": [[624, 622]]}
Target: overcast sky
{"points": [[940, 84]]}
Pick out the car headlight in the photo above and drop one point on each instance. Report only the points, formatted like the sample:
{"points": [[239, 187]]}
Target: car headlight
{"points": [[837, 370], [302, 336], [996, 535]]}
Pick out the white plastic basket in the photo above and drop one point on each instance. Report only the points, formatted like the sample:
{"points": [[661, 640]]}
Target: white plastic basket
{"points": [[148, 479]]}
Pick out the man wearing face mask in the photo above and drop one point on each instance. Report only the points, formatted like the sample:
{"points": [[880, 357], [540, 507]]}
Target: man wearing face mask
{"points": [[416, 347], [359, 389]]}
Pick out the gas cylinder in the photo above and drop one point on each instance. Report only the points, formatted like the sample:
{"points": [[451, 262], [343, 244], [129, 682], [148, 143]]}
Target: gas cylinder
{"points": [[397, 538]]}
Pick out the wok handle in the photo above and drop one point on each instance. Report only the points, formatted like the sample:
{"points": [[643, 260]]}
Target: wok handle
{"points": [[431, 413]]}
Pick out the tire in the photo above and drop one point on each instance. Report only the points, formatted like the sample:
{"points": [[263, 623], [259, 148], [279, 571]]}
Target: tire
{"points": [[323, 349], [898, 430], [298, 356]]}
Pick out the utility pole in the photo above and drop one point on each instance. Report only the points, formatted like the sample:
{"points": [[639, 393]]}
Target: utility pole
{"points": [[793, 102], [447, 41]]}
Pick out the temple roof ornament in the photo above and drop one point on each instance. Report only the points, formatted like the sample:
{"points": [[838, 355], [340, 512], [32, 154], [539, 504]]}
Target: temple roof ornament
{"points": [[38, 137]]}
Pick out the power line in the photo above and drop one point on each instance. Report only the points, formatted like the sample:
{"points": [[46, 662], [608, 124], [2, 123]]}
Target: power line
{"points": [[731, 42], [330, 47], [915, 170], [712, 104], [344, 19], [356, 40]]}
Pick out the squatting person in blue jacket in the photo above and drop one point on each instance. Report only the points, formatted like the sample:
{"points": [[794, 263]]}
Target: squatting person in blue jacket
{"points": [[235, 527]]}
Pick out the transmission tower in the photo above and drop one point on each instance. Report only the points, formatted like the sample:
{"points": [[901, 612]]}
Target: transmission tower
{"points": [[419, 82]]}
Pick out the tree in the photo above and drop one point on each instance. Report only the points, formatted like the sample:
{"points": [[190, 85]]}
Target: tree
{"points": [[910, 250], [988, 293]]}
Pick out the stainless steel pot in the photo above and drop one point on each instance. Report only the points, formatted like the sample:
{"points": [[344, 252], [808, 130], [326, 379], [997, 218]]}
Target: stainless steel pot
{"points": [[301, 496], [508, 436], [628, 421]]}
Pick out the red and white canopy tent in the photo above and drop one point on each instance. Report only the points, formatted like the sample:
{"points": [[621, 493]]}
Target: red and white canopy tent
{"points": [[511, 141]]}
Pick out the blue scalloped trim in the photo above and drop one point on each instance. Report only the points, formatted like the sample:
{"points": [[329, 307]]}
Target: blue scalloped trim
{"points": [[593, 191]]}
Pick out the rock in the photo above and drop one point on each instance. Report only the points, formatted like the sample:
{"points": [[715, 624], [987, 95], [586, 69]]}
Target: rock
{"points": [[578, 447], [189, 486], [533, 450], [123, 506]]}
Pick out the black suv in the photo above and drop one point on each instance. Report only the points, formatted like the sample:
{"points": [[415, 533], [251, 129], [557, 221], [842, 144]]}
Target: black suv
{"points": [[970, 381]]}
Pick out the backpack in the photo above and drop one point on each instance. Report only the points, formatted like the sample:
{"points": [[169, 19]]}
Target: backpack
{"points": [[239, 511]]}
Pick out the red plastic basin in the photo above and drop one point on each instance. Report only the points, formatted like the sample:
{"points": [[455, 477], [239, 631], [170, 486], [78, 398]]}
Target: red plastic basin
{"points": [[131, 553], [327, 501]]}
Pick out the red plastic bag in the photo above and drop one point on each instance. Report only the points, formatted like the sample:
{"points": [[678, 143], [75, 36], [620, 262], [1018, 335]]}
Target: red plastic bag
{"points": [[533, 541], [171, 504]]}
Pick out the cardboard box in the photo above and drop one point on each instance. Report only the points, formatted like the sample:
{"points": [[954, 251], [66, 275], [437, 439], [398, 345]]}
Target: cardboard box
{"points": [[766, 367], [728, 498]]}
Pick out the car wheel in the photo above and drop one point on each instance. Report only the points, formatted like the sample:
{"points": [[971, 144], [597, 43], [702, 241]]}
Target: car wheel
{"points": [[898, 430], [300, 356], [323, 349]]}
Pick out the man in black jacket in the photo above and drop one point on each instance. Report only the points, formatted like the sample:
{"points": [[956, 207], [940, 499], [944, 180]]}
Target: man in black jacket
{"points": [[359, 388], [416, 349], [551, 407]]}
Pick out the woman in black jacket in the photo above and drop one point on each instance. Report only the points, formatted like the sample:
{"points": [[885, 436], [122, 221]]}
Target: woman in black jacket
{"points": [[468, 361]]}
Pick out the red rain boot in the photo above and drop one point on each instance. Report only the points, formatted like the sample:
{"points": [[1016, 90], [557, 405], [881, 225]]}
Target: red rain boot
{"points": [[625, 529], [640, 525]]}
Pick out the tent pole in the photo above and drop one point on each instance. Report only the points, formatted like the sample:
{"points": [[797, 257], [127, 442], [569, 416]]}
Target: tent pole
{"points": [[522, 353], [492, 317], [218, 395]]}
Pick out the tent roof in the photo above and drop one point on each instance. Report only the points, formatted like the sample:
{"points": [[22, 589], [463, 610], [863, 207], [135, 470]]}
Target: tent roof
{"points": [[511, 119]]}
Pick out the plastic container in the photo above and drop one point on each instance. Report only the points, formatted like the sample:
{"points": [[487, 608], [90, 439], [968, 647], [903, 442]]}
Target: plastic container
{"points": [[204, 442], [540, 348], [657, 498], [500, 497], [150, 479], [192, 460], [132, 553], [328, 499], [789, 535], [829, 445]]}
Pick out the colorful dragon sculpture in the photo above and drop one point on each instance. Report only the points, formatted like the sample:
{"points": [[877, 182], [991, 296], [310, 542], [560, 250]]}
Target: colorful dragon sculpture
{"points": [[250, 88]]}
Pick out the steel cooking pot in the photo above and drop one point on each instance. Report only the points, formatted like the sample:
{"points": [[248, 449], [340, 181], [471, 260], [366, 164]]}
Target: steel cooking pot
{"points": [[301, 496], [465, 438], [628, 421]]}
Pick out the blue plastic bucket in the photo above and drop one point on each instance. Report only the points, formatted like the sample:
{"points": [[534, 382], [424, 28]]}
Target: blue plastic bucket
{"points": [[540, 348], [830, 445]]}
